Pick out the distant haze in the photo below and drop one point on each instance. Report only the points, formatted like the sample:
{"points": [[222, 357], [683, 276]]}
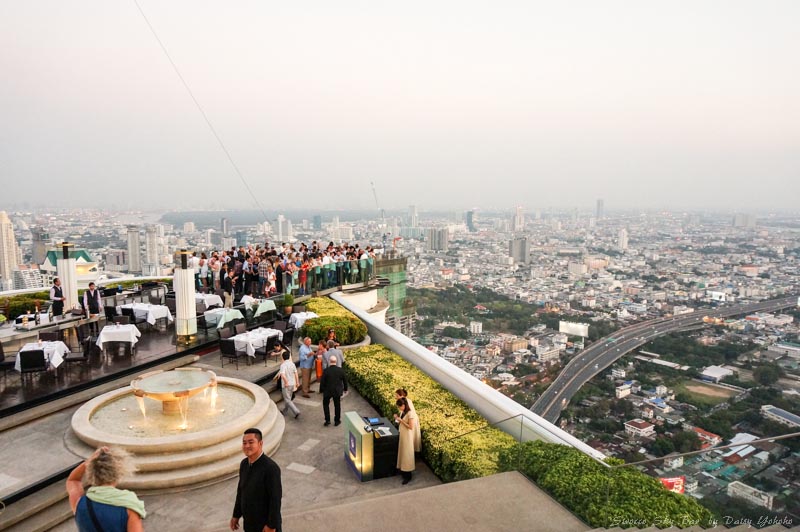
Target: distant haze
{"points": [[446, 105]]}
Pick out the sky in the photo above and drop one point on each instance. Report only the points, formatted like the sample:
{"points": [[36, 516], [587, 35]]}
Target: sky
{"points": [[440, 104]]}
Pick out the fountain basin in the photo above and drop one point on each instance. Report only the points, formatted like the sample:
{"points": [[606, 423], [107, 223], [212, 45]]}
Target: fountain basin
{"points": [[96, 436]]}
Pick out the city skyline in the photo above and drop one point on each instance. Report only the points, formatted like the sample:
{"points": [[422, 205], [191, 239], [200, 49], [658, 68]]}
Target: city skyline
{"points": [[454, 105]]}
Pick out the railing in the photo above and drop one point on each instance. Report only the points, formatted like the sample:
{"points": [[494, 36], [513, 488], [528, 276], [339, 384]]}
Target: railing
{"points": [[333, 276]]}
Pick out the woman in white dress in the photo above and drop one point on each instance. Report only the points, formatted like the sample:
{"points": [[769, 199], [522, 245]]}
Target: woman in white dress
{"points": [[406, 421], [401, 393]]}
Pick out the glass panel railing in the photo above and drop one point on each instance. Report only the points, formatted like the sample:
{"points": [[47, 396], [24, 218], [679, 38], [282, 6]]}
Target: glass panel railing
{"points": [[302, 283]]}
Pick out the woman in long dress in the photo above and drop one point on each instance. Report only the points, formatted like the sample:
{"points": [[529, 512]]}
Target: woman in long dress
{"points": [[405, 451], [402, 393]]}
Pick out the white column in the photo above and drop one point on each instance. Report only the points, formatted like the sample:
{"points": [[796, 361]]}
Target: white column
{"points": [[67, 272], [183, 284]]}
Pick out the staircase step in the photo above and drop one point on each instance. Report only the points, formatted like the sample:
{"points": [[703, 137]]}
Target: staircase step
{"points": [[22, 511]]}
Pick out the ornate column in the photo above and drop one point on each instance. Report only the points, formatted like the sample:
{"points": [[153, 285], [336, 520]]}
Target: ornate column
{"points": [[183, 284], [65, 268]]}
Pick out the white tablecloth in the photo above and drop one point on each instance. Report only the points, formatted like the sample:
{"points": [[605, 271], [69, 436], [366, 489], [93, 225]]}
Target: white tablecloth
{"points": [[251, 340], [150, 312], [299, 318], [53, 352], [221, 316], [118, 333], [264, 305], [208, 299], [248, 300]]}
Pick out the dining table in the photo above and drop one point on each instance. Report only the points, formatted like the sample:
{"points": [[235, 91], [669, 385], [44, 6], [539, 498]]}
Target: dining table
{"points": [[253, 339], [118, 333], [151, 313], [53, 352]]}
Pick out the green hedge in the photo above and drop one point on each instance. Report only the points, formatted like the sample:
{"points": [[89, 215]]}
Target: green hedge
{"points": [[349, 329], [601, 496], [24, 303]]}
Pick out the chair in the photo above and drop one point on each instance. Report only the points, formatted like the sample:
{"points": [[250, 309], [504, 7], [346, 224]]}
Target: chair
{"points": [[280, 325], [240, 328], [202, 323], [132, 317], [220, 293], [110, 312], [87, 342], [52, 336], [81, 359], [199, 308], [172, 305], [227, 349], [32, 361], [299, 308], [268, 350], [225, 333], [155, 300], [122, 320], [5, 365], [288, 337]]}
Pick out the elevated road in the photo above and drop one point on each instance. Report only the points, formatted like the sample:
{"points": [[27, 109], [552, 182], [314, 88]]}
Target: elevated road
{"points": [[605, 351]]}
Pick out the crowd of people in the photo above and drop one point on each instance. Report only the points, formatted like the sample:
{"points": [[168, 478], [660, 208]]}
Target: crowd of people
{"points": [[270, 269]]}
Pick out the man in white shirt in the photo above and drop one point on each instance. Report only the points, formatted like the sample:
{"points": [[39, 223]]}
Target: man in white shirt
{"points": [[288, 373]]}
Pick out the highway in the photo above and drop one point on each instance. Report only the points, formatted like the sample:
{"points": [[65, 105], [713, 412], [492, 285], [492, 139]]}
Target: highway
{"points": [[605, 351]]}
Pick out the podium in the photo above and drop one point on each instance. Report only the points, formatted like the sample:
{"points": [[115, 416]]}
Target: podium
{"points": [[370, 455]]}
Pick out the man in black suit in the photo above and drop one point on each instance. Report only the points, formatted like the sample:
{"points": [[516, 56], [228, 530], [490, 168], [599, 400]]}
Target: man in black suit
{"points": [[332, 387]]}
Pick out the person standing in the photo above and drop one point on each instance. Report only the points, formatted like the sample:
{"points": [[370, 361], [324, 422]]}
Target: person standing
{"points": [[259, 491], [57, 297], [332, 387], [333, 350], [406, 421], [306, 363], [288, 373], [227, 287], [400, 393], [92, 305], [104, 506]]}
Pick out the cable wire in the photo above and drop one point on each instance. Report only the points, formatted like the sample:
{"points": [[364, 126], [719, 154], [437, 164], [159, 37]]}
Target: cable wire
{"points": [[202, 112]]}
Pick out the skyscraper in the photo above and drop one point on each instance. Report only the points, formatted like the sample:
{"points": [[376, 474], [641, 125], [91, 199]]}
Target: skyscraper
{"points": [[151, 247], [223, 225], [283, 229], [600, 211], [519, 249], [317, 222], [8, 252], [470, 219], [437, 239], [134, 250], [413, 217], [41, 239], [622, 239], [518, 221]]}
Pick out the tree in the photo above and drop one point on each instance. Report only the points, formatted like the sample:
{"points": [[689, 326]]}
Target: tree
{"points": [[662, 446], [767, 374]]}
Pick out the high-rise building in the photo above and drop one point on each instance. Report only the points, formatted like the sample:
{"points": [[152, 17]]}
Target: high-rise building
{"points": [[241, 238], [600, 210], [134, 250], [437, 239], [519, 249], [744, 220], [117, 260], [209, 236], [223, 225], [41, 239], [151, 245], [317, 222], [188, 227], [413, 217], [284, 229], [518, 221], [622, 239], [470, 219], [8, 252], [28, 276]]}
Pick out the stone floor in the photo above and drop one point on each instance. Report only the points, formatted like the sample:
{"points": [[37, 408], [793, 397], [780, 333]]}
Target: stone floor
{"points": [[313, 469]]}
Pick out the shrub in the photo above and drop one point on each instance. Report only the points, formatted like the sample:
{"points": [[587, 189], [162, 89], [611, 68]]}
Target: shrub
{"points": [[599, 495], [349, 329], [24, 303]]}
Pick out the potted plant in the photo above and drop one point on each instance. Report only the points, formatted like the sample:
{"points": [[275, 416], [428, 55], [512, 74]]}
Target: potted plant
{"points": [[288, 301]]}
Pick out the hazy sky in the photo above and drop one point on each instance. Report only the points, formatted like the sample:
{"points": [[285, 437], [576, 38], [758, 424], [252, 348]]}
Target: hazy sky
{"points": [[442, 104]]}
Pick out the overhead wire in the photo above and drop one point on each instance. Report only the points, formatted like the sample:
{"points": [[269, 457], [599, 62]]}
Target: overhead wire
{"points": [[202, 112]]}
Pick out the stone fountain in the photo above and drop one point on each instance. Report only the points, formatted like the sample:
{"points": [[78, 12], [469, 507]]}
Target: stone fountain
{"points": [[182, 427]]}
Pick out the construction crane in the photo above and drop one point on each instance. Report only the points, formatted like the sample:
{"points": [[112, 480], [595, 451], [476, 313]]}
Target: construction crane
{"points": [[380, 211]]}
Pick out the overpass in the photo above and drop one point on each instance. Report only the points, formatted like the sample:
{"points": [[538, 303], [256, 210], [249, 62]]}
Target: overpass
{"points": [[605, 351]]}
